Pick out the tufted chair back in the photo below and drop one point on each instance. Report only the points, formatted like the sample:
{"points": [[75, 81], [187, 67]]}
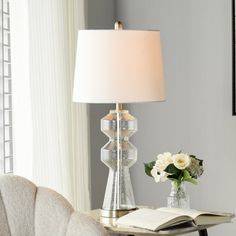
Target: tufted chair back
{"points": [[28, 210]]}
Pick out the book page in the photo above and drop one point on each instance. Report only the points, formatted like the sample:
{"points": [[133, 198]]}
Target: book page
{"points": [[189, 212], [151, 219], [200, 217]]}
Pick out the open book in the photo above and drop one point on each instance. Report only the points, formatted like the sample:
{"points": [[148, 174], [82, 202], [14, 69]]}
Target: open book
{"points": [[162, 218]]}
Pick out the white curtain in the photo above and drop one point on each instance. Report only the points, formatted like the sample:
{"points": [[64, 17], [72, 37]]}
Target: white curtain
{"points": [[51, 133]]}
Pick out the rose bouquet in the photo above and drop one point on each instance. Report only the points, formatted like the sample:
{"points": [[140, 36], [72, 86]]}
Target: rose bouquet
{"points": [[178, 168]]}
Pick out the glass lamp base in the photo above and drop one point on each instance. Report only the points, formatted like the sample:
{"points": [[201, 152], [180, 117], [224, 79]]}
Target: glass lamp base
{"points": [[118, 155]]}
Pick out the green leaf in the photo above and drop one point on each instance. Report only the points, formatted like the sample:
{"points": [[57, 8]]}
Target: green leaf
{"points": [[171, 169], [186, 175], [192, 180], [148, 167], [173, 177]]}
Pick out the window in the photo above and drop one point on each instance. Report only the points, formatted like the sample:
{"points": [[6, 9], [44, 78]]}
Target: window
{"points": [[6, 144]]}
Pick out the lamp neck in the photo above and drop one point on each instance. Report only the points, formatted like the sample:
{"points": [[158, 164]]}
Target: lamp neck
{"points": [[119, 107]]}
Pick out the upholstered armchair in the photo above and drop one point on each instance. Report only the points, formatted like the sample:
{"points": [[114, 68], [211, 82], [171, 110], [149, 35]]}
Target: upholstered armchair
{"points": [[28, 210]]}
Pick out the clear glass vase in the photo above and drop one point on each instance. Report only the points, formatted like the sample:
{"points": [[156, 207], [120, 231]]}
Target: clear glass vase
{"points": [[178, 197]]}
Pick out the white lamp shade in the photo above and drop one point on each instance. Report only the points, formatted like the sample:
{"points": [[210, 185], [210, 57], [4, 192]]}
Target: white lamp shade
{"points": [[118, 66]]}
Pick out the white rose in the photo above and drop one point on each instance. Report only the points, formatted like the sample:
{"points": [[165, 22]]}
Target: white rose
{"points": [[165, 155], [162, 177], [154, 173], [181, 161], [163, 160]]}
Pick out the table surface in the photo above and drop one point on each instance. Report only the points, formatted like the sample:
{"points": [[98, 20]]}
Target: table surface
{"points": [[112, 228]]}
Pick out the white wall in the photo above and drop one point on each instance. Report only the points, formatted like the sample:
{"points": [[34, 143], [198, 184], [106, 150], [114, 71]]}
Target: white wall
{"points": [[196, 118]]}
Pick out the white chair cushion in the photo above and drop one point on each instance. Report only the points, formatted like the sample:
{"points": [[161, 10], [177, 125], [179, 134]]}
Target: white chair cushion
{"points": [[18, 198], [28, 210]]}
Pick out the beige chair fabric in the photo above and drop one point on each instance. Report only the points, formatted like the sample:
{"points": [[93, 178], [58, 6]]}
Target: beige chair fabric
{"points": [[28, 210]]}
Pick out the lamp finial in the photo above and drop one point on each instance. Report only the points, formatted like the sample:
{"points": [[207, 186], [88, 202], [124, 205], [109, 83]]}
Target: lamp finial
{"points": [[118, 25]]}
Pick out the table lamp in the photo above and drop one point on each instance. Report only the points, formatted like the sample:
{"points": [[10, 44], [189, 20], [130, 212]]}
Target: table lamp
{"points": [[118, 66]]}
